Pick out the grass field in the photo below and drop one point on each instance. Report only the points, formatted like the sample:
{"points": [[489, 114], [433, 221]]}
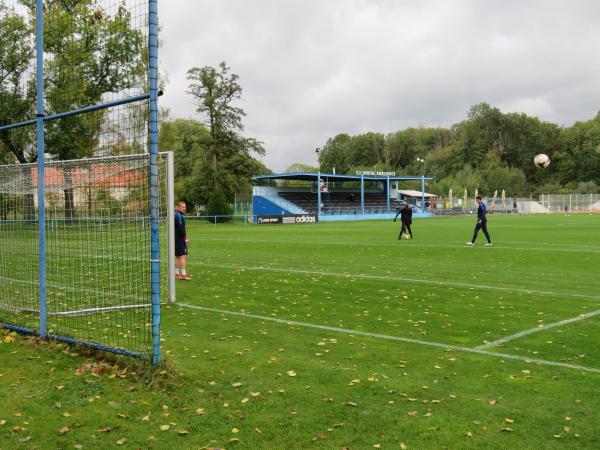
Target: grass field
{"points": [[337, 335]]}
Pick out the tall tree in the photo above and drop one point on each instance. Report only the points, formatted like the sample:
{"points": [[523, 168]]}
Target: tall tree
{"points": [[17, 94], [215, 91]]}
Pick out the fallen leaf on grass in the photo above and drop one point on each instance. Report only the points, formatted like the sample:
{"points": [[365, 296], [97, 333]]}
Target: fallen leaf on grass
{"points": [[63, 430], [165, 427], [121, 441], [200, 411], [183, 432], [291, 373]]}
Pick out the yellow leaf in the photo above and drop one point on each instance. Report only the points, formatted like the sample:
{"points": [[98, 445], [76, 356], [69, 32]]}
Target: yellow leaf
{"points": [[121, 441], [255, 394], [245, 400], [412, 413], [468, 434], [509, 420], [200, 411], [291, 373], [66, 414], [377, 446], [165, 427], [567, 429], [146, 418], [236, 384], [258, 430], [403, 446], [492, 402], [235, 430], [182, 432], [63, 430]]}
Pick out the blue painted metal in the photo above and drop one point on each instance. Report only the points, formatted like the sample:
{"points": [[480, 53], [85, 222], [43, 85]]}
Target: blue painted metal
{"points": [[75, 112], [41, 173], [362, 195], [319, 195], [312, 175], [262, 206], [423, 193], [154, 192], [387, 192]]}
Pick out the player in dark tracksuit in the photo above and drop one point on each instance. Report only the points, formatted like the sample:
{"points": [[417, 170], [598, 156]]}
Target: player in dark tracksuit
{"points": [[481, 223], [405, 214], [181, 243]]}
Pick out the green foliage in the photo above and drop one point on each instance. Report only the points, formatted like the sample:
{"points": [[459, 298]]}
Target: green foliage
{"points": [[17, 94], [214, 92], [218, 209], [489, 150], [191, 143]]}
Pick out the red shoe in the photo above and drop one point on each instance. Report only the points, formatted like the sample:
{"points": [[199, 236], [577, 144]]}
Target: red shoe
{"points": [[185, 277], [177, 276]]}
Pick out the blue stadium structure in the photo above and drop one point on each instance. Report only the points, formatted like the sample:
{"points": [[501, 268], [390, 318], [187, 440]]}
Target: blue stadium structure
{"points": [[333, 197]]}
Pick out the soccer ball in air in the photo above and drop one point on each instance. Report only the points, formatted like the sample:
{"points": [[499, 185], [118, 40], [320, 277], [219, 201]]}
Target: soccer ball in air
{"points": [[541, 160]]}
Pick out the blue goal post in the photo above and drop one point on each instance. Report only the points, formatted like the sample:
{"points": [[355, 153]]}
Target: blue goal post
{"points": [[84, 192]]}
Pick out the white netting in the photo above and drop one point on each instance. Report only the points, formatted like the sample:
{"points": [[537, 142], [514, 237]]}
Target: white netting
{"points": [[97, 249]]}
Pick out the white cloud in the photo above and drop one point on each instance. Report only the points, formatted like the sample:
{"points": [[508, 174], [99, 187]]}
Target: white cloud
{"points": [[311, 69]]}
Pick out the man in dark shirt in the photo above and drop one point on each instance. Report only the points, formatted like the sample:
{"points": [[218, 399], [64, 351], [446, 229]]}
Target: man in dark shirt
{"points": [[481, 223], [181, 243], [405, 214]]}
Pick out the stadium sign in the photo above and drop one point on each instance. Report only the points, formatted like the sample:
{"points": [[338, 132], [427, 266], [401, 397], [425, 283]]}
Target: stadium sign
{"points": [[370, 173], [287, 219]]}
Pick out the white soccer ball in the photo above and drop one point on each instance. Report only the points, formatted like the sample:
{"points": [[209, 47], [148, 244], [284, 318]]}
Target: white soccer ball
{"points": [[541, 160]]}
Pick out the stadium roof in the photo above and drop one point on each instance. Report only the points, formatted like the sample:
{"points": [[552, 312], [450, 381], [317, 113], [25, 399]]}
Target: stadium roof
{"points": [[308, 176]]}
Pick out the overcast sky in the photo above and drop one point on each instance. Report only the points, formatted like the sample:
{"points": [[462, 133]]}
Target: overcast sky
{"points": [[311, 69]]}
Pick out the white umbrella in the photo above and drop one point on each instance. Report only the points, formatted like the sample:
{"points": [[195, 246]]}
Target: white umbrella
{"points": [[503, 199], [450, 198], [494, 199]]}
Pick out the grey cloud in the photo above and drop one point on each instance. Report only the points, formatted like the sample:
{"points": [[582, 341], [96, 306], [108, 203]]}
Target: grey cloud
{"points": [[312, 69]]}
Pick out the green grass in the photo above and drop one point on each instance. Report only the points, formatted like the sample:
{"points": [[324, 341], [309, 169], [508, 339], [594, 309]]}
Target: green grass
{"points": [[379, 351]]}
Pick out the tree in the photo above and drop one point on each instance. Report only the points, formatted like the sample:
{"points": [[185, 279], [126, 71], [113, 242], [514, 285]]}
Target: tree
{"points": [[214, 92], [17, 94], [92, 53], [190, 141]]}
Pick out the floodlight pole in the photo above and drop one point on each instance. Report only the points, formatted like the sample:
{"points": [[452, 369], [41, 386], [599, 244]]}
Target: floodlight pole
{"points": [[41, 173]]}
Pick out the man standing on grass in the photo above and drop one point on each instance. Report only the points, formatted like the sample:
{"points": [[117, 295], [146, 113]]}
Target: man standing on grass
{"points": [[406, 219], [481, 223], [181, 243]]}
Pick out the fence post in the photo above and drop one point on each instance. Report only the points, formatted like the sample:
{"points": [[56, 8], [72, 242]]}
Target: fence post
{"points": [[41, 177]]}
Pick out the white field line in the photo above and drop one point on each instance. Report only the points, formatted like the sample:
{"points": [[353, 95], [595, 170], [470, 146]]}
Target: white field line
{"points": [[403, 279], [391, 244], [520, 334], [74, 313], [395, 338]]}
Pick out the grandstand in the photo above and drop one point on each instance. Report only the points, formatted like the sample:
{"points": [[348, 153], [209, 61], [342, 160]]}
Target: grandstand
{"points": [[332, 197]]}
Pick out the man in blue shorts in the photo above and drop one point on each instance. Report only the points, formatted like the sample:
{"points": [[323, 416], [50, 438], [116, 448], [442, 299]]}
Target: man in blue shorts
{"points": [[181, 243], [481, 223]]}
